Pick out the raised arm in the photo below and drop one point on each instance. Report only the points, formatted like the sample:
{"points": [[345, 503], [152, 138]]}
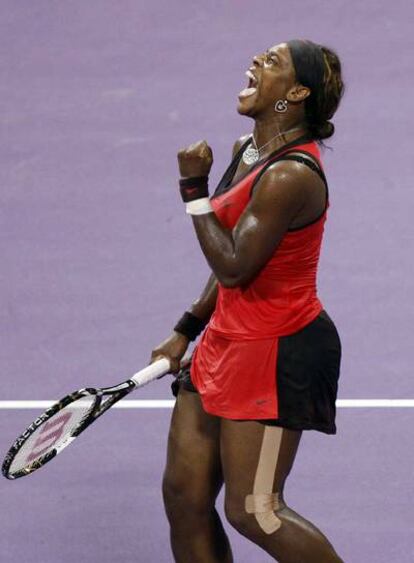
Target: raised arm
{"points": [[203, 307], [236, 255]]}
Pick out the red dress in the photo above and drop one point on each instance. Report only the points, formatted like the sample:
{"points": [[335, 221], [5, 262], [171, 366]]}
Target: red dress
{"points": [[234, 364]]}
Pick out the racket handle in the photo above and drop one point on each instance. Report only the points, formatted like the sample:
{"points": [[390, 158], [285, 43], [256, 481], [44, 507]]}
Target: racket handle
{"points": [[154, 370]]}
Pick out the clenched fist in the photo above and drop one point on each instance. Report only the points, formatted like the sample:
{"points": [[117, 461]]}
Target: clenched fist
{"points": [[195, 160]]}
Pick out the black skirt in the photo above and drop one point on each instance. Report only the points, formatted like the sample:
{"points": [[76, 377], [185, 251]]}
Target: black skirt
{"points": [[307, 374]]}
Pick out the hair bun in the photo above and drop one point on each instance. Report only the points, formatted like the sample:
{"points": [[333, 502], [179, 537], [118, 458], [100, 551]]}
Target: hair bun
{"points": [[322, 130]]}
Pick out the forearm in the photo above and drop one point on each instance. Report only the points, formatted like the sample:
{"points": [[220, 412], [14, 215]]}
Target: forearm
{"points": [[216, 241], [204, 306], [218, 248]]}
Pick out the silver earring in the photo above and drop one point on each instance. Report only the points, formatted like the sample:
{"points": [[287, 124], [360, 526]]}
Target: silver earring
{"points": [[281, 106]]}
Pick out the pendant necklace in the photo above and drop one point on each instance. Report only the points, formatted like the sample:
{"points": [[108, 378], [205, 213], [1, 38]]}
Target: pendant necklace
{"points": [[251, 154]]}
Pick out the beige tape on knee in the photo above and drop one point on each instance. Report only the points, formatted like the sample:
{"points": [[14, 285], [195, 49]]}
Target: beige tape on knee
{"points": [[263, 502]]}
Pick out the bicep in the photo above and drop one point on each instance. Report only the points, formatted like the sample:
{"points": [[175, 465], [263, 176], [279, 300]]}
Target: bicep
{"points": [[276, 200]]}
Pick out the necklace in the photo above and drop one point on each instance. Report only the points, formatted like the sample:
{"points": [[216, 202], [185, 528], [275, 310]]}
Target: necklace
{"points": [[251, 155]]}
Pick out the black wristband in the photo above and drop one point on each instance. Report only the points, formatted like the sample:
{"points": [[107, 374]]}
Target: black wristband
{"points": [[190, 326], [193, 188]]}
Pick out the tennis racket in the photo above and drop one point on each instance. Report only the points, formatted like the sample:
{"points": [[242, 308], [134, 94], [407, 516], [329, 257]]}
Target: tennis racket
{"points": [[66, 419]]}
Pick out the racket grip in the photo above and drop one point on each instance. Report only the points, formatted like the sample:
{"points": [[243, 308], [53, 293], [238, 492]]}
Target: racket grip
{"points": [[154, 370]]}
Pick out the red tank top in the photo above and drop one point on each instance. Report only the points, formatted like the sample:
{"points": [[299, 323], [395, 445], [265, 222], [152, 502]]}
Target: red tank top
{"points": [[282, 298]]}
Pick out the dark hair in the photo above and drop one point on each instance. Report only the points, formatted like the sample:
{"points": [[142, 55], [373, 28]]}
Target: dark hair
{"points": [[318, 68]]}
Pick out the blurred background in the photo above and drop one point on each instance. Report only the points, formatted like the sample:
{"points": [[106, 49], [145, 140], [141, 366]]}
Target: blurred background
{"points": [[99, 259]]}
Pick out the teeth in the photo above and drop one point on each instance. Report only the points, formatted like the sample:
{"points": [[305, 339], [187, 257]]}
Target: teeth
{"points": [[250, 75]]}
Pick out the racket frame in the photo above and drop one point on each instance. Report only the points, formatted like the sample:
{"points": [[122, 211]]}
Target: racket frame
{"points": [[35, 425], [116, 393]]}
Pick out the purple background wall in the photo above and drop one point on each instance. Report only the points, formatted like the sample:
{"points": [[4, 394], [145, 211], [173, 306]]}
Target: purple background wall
{"points": [[99, 258]]}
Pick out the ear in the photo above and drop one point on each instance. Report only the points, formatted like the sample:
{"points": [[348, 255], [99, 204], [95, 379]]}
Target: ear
{"points": [[298, 93]]}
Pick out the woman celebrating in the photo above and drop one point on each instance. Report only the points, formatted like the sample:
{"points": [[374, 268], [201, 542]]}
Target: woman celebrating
{"points": [[267, 364]]}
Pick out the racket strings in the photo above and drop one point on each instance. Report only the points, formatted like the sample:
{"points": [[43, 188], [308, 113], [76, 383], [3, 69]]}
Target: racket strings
{"points": [[52, 434]]}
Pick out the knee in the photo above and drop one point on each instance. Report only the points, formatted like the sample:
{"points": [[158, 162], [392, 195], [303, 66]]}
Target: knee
{"points": [[175, 494], [182, 500], [254, 515], [238, 517]]}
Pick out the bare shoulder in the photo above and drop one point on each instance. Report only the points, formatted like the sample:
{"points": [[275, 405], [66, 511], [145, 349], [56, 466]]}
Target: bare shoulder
{"points": [[237, 145], [280, 186], [288, 175]]}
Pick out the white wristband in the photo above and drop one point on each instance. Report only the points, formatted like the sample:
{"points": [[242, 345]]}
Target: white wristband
{"points": [[199, 206]]}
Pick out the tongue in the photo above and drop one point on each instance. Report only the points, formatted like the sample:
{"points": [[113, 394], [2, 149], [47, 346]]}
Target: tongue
{"points": [[247, 92]]}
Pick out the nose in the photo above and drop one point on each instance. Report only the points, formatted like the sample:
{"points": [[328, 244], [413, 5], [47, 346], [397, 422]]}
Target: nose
{"points": [[257, 60]]}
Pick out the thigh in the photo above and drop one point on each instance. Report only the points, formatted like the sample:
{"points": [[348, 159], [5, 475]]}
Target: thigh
{"points": [[193, 452], [251, 451]]}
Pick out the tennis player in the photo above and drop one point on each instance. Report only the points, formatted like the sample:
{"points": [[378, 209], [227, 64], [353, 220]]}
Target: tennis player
{"points": [[267, 364]]}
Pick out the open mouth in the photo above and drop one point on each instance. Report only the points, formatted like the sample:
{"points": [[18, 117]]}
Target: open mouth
{"points": [[252, 79], [251, 86]]}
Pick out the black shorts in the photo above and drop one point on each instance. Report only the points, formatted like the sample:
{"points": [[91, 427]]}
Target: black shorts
{"points": [[308, 369]]}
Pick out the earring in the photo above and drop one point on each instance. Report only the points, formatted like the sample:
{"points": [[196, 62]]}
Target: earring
{"points": [[281, 106]]}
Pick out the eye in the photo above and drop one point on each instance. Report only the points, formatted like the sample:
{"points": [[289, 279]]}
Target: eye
{"points": [[271, 58]]}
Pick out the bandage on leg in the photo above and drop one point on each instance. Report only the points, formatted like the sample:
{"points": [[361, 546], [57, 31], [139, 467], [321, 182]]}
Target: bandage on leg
{"points": [[263, 502], [263, 507]]}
